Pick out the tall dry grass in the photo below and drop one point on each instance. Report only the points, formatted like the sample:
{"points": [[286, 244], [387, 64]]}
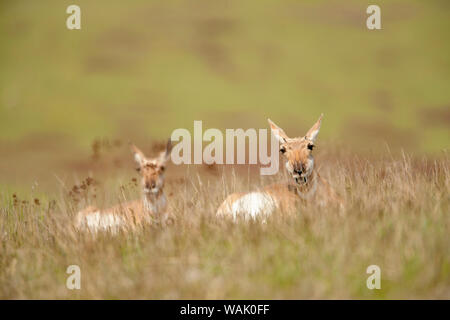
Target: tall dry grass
{"points": [[396, 216]]}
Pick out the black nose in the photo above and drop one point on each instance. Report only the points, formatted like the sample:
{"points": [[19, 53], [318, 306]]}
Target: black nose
{"points": [[298, 171], [150, 185]]}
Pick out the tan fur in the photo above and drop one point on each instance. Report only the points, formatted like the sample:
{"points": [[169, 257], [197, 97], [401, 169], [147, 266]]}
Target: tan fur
{"points": [[152, 208], [307, 184]]}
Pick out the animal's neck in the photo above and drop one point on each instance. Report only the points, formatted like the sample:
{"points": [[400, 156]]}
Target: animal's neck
{"points": [[307, 188], [154, 203]]}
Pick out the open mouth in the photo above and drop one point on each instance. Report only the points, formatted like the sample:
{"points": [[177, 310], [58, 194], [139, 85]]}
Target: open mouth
{"points": [[151, 190], [300, 179]]}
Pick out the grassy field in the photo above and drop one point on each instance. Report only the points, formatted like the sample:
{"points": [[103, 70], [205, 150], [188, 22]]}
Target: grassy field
{"points": [[395, 216], [70, 101], [143, 68]]}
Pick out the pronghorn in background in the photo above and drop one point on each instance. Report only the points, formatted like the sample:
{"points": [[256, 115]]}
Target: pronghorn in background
{"points": [[306, 184], [152, 208]]}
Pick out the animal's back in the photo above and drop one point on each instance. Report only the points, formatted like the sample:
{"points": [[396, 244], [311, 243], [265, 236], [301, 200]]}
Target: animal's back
{"points": [[121, 216], [259, 204]]}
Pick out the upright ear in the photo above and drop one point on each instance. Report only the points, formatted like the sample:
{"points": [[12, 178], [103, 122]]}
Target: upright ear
{"points": [[278, 132], [139, 156], [314, 131], [165, 155]]}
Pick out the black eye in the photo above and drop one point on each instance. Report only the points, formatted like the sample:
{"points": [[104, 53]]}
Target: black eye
{"points": [[310, 146], [162, 168], [282, 149], [138, 169]]}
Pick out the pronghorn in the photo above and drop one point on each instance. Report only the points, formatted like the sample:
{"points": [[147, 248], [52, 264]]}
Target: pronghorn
{"points": [[129, 215], [284, 196]]}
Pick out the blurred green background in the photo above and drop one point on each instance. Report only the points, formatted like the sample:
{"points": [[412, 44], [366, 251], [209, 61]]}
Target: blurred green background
{"points": [[139, 69]]}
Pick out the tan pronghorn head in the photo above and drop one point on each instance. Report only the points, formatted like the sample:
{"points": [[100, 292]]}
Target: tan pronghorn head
{"points": [[298, 151], [152, 169]]}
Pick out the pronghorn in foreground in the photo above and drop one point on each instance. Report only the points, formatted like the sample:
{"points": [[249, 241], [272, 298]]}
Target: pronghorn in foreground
{"points": [[285, 196], [152, 207]]}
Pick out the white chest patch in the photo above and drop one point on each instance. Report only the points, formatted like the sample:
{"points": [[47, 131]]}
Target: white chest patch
{"points": [[155, 207], [253, 205]]}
